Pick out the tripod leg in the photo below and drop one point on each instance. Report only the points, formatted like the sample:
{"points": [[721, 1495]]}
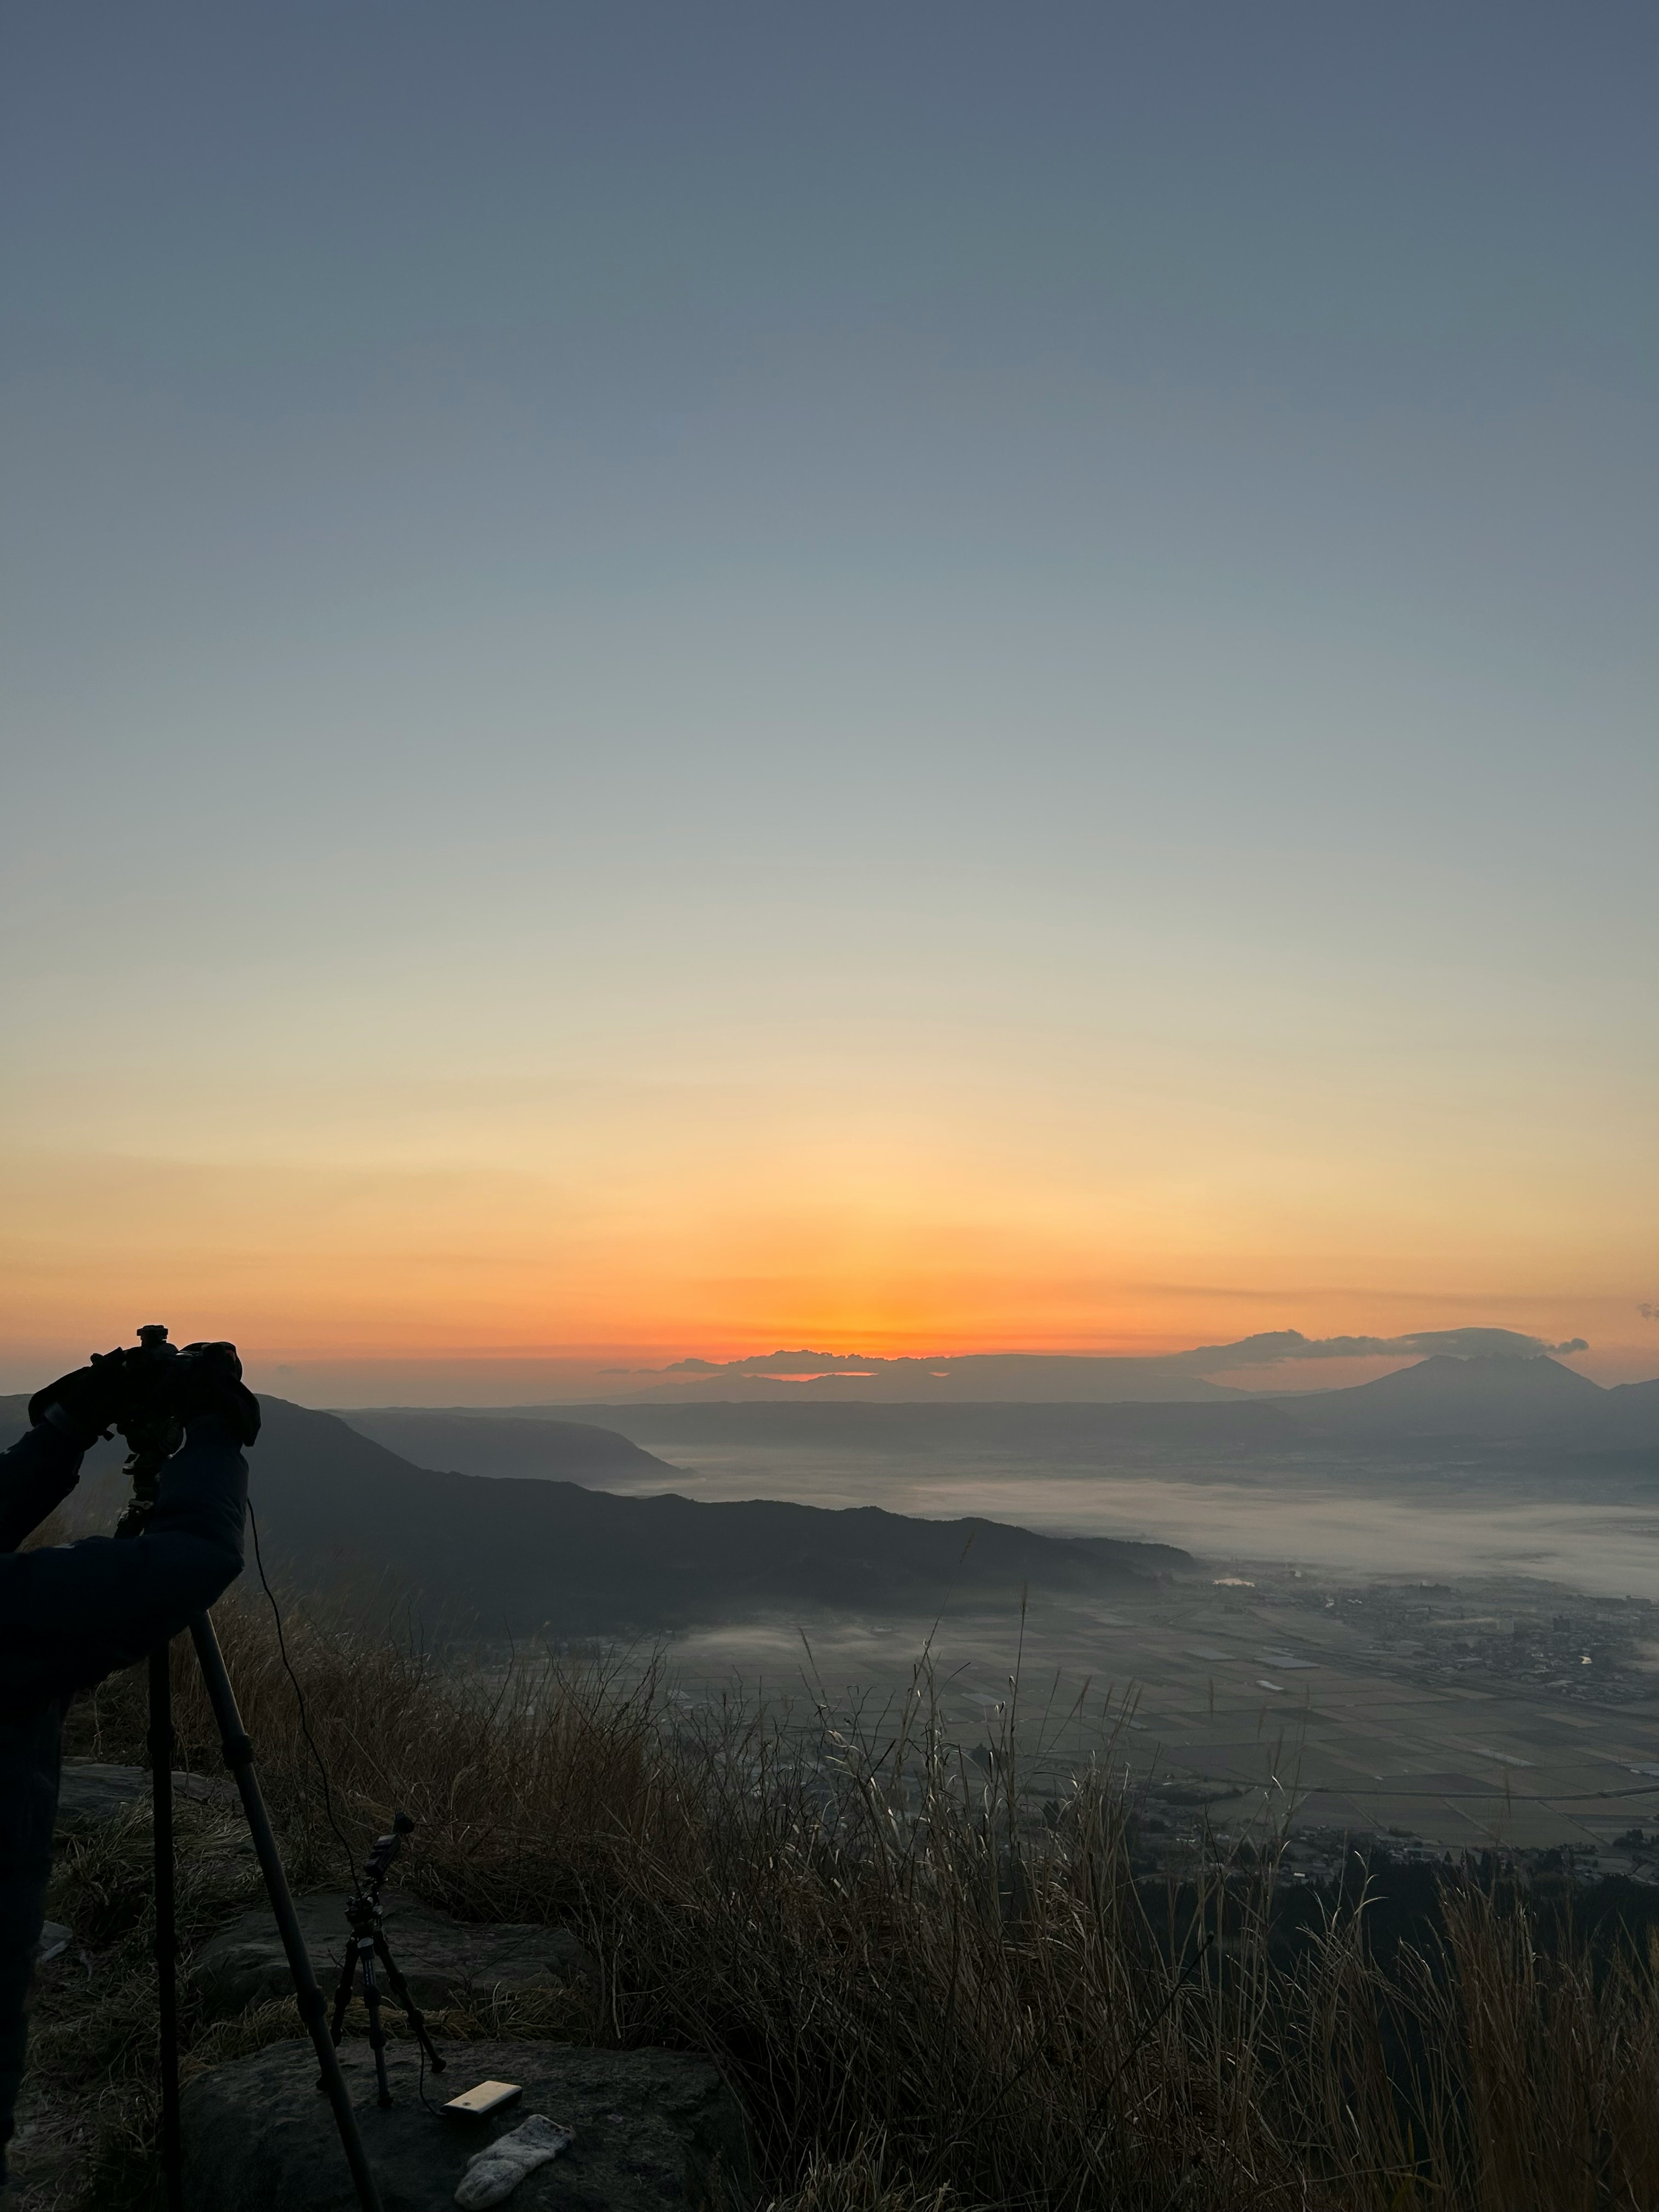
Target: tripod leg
{"points": [[376, 2030], [167, 1947], [399, 1989], [342, 1997], [238, 1757]]}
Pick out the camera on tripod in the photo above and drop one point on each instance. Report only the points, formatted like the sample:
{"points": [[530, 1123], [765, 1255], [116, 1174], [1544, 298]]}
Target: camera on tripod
{"points": [[159, 1386], [377, 1864], [149, 1393], [367, 1947]]}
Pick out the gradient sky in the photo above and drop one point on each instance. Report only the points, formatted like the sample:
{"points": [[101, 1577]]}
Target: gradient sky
{"points": [[929, 677]]}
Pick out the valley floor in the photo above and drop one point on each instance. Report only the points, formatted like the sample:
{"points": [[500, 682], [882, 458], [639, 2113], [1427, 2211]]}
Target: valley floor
{"points": [[1458, 1715]]}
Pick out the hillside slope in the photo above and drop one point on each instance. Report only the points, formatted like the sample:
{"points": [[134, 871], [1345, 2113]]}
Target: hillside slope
{"points": [[506, 1553], [495, 1555], [567, 1451]]}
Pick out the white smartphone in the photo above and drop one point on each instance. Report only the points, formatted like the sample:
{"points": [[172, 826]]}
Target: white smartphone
{"points": [[488, 2097]]}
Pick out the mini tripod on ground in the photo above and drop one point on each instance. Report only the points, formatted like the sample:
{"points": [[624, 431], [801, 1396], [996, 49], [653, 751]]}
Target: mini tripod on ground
{"points": [[368, 1944], [152, 1444]]}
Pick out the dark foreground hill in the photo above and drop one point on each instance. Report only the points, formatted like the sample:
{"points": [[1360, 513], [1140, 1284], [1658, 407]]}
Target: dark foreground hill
{"points": [[511, 1553], [560, 1451], [486, 1556]]}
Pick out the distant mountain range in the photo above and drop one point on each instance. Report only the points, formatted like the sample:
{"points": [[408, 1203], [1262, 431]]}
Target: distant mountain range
{"points": [[1011, 1378], [1508, 1400], [495, 1555], [483, 1516], [1533, 1403], [1005, 1377]]}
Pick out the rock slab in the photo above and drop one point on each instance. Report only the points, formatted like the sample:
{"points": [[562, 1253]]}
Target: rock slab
{"points": [[655, 2131], [444, 1961], [89, 1791]]}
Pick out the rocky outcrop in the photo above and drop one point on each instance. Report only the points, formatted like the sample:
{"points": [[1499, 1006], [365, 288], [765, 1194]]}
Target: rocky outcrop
{"points": [[654, 2131], [444, 1961]]}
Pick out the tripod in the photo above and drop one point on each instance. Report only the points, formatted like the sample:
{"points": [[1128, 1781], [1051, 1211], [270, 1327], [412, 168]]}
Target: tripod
{"points": [[152, 1444], [238, 1750], [368, 1944]]}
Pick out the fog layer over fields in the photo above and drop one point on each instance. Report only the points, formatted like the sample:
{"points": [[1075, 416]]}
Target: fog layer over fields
{"points": [[1482, 1463], [1597, 1530]]}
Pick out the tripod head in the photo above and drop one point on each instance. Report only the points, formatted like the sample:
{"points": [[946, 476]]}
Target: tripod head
{"points": [[151, 1424], [149, 1390]]}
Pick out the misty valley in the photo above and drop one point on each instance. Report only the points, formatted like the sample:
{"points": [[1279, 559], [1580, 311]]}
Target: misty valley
{"points": [[1415, 1609], [1350, 1698]]}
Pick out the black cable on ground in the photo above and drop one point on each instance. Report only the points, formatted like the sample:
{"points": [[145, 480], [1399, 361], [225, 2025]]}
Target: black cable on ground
{"points": [[300, 1700]]}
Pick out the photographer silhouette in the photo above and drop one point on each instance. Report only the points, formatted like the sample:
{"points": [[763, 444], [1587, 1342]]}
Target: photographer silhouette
{"points": [[71, 1613]]}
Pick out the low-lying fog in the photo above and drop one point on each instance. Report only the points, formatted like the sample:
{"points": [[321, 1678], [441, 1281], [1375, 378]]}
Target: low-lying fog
{"points": [[1377, 1518]]}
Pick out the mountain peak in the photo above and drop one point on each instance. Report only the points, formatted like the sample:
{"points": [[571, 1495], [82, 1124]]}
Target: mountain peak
{"points": [[1446, 1395]]}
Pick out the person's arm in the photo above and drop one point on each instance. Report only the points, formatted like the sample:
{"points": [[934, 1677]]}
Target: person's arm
{"points": [[67, 1417], [71, 1612], [37, 1473]]}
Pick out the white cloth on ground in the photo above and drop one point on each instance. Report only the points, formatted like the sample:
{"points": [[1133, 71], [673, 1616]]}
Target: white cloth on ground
{"points": [[497, 2170]]}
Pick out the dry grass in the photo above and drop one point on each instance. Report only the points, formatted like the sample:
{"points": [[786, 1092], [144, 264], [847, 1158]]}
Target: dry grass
{"points": [[927, 1994]]}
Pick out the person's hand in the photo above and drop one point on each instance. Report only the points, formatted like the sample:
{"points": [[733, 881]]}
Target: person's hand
{"points": [[90, 1401], [210, 1381]]}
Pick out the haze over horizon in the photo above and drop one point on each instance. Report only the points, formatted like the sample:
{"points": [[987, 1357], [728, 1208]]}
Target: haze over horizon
{"points": [[681, 683]]}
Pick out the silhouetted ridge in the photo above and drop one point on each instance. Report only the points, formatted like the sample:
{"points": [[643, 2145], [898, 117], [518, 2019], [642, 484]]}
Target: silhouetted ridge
{"points": [[567, 1450], [503, 1553]]}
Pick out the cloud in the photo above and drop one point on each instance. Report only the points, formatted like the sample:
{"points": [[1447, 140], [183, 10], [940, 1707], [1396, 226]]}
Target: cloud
{"points": [[1648, 1312]]}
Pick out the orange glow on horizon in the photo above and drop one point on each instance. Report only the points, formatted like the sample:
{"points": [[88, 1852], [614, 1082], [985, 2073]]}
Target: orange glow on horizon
{"points": [[827, 1227], [491, 1274]]}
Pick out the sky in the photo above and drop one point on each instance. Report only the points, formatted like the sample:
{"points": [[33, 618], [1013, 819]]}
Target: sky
{"points": [[685, 680]]}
